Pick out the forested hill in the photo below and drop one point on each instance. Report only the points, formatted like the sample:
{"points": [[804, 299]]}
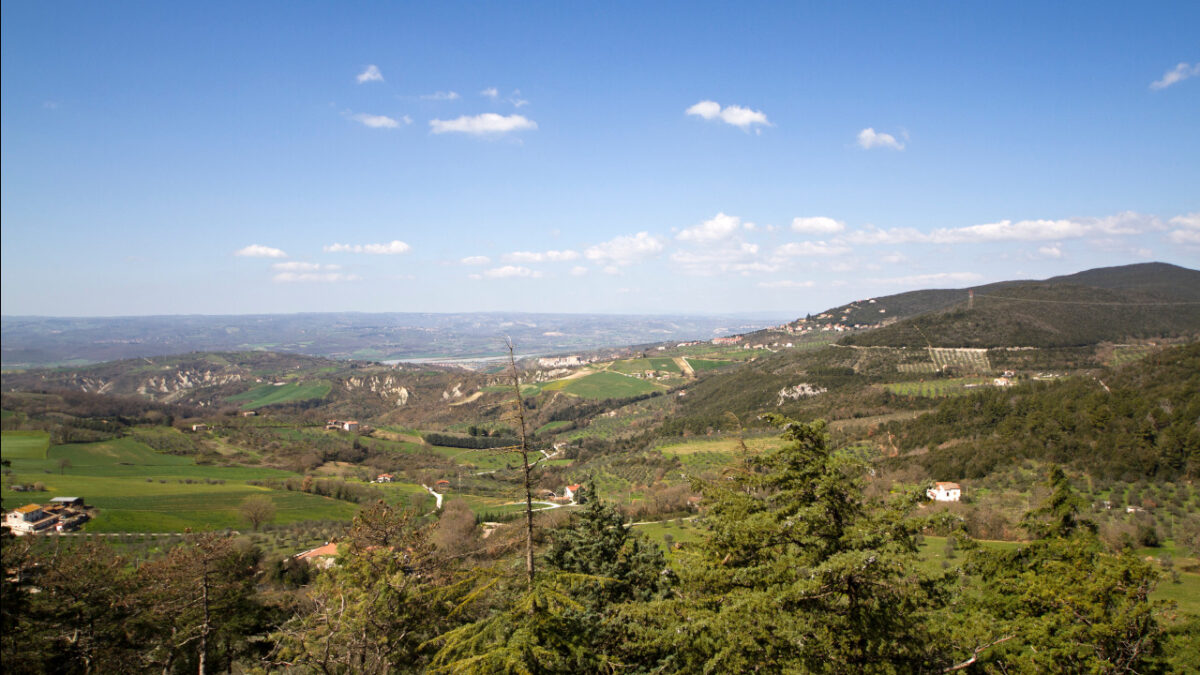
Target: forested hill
{"points": [[1137, 421], [1137, 301]]}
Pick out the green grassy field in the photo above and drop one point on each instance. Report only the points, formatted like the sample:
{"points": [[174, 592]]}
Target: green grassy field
{"points": [[552, 426], [270, 394], [25, 444], [701, 365], [1123, 354], [608, 385], [136, 489], [658, 363], [480, 460]]}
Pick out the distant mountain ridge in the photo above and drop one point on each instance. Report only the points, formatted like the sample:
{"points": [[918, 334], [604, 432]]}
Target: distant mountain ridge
{"points": [[1141, 301]]}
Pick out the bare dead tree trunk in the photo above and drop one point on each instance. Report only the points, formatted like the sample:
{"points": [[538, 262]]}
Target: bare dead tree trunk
{"points": [[204, 627], [519, 404]]}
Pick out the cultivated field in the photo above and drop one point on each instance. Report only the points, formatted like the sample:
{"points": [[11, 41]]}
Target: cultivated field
{"points": [[270, 394], [939, 388], [606, 385], [137, 489]]}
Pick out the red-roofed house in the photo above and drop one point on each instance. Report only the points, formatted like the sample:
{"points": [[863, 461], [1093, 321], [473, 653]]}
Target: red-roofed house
{"points": [[321, 556], [572, 491]]}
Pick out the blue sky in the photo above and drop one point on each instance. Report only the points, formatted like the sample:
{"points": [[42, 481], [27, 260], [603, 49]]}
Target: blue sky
{"points": [[171, 158]]}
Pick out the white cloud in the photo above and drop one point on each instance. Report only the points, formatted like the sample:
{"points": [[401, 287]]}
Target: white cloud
{"points": [[717, 228], [811, 248], [1007, 230], [490, 92], [611, 269], [1051, 251], [324, 277], [303, 267], [894, 258], [371, 74], [786, 283], [476, 260], [441, 96], [868, 138], [625, 250], [1187, 229], [817, 225], [511, 272], [394, 247], [578, 271], [258, 251], [926, 279], [743, 118], [718, 248], [874, 235], [1191, 220], [480, 125], [1179, 73], [537, 257], [379, 121]]}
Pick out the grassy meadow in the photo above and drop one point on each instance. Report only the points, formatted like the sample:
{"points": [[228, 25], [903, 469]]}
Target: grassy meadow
{"points": [[136, 489], [270, 394]]}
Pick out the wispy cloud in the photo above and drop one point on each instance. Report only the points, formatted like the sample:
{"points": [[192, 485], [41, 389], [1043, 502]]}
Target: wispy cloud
{"points": [[259, 251], [817, 225], [487, 124], [786, 283], [1051, 251], [625, 250], [323, 277], [869, 138], [509, 272], [380, 121], [476, 260], [297, 266], [929, 279], [743, 118], [441, 96], [541, 256], [1179, 73], [1125, 223], [810, 248], [578, 271], [1187, 229], [370, 74], [490, 92], [394, 247]]}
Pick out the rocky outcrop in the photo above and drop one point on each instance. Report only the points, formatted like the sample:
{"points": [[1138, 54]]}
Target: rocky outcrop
{"points": [[798, 391], [387, 387]]}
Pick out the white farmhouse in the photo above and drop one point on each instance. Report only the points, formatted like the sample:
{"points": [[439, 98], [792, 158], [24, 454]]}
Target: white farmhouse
{"points": [[29, 519], [944, 492]]}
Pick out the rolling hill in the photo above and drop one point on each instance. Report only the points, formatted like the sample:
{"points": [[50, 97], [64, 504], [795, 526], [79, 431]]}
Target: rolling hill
{"points": [[1145, 301]]}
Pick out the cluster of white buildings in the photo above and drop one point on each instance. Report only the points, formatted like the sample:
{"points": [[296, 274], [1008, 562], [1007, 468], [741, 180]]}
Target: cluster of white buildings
{"points": [[62, 514]]}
